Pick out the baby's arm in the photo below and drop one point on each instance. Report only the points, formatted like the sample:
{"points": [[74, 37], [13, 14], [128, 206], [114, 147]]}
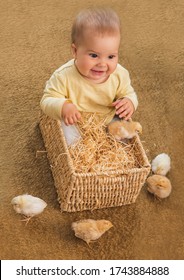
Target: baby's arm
{"points": [[126, 102], [55, 102]]}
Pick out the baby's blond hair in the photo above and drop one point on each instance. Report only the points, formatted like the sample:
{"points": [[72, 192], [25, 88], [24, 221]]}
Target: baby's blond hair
{"points": [[99, 20]]}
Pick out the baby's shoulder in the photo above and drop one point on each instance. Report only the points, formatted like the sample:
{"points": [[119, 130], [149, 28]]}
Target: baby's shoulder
{"points": [[121, 74], [65, 67], [120, 69]]}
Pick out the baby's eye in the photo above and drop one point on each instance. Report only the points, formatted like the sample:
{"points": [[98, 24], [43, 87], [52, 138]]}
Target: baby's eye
{"points": [[111, 56], [93, 55]]}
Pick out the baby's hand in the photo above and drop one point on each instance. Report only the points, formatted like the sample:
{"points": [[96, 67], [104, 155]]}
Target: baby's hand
{"points": [[70, 114], [124, 108]]}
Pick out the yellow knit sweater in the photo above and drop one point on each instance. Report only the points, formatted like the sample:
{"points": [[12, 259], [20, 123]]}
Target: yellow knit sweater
{"points": [[67, 83]]}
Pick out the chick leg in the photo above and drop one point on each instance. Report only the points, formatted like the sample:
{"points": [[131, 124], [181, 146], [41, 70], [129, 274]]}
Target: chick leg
{"points": [[27, 219], [89, 243], [124, 141], [157, 198], [89, 246]]}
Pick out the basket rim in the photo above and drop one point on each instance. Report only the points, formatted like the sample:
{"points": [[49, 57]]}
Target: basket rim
{"points": [[111, 173]]}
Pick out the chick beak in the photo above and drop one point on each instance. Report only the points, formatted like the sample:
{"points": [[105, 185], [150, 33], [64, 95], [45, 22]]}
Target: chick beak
{"points": [[139, 131]]}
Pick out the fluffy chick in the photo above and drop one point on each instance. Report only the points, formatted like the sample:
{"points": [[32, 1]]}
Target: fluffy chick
{"points": [[161, 164], [90, 229], [28, 206], [159, 185], [124, 129]]}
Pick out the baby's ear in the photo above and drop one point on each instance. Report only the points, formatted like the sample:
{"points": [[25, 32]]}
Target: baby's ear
{"points": [[74, 50]]}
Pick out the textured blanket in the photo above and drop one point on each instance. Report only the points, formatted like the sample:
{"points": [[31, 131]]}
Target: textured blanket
{"points": [[35, 40]]}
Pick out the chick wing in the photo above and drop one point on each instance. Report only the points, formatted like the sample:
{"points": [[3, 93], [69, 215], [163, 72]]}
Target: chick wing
{"points": [[90, 229]]}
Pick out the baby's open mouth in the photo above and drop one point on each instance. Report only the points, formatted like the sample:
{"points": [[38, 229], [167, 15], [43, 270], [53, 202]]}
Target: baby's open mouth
{"points": [[97, 71]]}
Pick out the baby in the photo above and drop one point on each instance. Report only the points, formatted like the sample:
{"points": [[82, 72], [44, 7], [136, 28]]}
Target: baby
{"points": [[92, 81]]}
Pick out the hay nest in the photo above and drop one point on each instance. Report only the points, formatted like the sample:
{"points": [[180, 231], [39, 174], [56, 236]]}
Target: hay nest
{"points": [[98, 151]]}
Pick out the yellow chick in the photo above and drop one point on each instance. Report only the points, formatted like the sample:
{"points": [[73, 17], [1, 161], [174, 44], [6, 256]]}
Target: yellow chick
{"points": [[90, 229], [122, 129], [28, 206], [161, 164], [159, 185]]}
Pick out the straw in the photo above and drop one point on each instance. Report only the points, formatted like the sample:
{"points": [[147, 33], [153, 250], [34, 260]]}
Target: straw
{"points": [[98, 151]]}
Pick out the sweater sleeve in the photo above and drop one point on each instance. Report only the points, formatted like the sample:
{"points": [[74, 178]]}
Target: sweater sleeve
{"points": [[55, 94], [126, 90]]}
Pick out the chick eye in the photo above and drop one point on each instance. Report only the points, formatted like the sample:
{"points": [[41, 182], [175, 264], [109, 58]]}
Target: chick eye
{"points": [[93, 55]]}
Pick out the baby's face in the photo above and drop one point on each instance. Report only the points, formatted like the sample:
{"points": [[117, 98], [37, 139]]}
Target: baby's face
{"points": [[97, 56]]}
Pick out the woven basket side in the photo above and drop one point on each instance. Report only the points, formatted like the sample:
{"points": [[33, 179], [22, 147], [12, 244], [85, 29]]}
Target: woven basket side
{"points": [[54, 140], [59, 159], [95, 192]]}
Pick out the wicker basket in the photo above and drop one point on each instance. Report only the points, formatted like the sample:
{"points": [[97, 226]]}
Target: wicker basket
{"points": [[88, 191]]}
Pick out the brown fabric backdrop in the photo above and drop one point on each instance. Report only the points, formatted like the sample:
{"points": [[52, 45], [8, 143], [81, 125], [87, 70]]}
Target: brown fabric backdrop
{"points": [[35, 40]]}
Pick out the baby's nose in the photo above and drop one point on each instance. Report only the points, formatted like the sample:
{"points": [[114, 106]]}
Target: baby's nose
{"points": [[102, 63]]}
